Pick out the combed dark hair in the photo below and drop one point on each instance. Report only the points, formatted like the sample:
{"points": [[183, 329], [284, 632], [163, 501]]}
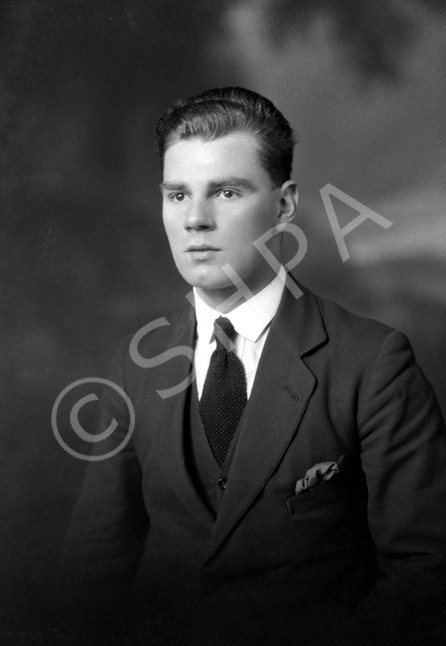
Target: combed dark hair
{"points": [[216, 113]]}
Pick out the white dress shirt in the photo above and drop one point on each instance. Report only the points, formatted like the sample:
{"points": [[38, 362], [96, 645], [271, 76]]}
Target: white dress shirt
{"points": [[251, 321]]}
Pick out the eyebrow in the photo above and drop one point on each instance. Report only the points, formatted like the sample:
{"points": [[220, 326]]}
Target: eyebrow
{"points": [[236, 182], [172, 186]]}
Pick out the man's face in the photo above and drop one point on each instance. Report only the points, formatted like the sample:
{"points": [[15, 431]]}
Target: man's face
{"points": [[217, 201]]}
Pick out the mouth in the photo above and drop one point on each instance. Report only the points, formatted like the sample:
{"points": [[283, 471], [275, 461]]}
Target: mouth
{"points": [[202, 252], [201, 247]]}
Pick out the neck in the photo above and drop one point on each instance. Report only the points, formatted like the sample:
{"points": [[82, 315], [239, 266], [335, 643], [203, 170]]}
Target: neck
{"points": [[226, 299]]}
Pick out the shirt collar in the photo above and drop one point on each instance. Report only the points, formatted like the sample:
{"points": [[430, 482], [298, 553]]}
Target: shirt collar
{"points": [[251, 318]]}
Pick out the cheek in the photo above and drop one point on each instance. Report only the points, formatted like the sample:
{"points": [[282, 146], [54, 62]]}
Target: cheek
{"points": [[172, 229], [255, 227]]}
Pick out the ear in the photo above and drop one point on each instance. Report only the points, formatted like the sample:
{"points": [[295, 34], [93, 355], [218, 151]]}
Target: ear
{"points": [[288, 204]]}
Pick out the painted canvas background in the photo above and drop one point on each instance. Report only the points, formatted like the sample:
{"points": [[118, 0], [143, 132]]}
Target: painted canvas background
{"points": [[84, 260]]}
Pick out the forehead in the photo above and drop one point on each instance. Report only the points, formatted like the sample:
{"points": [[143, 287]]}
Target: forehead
{"points": [[235, 153]]}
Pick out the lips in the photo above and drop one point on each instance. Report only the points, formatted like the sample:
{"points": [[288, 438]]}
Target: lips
{"points": [[202, 247]]}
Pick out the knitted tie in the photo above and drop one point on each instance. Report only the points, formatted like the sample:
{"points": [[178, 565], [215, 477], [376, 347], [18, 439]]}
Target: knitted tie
{"points": [[224, 392]]}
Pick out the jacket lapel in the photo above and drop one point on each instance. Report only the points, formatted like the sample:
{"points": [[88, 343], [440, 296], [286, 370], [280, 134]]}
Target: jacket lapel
{"points": [[170, 421], [282, 388]]}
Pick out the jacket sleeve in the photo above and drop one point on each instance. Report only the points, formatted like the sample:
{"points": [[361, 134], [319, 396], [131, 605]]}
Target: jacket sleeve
{"points": [[403, 453], [109, 523]]}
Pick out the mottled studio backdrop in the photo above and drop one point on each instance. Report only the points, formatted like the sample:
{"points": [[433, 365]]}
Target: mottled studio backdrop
{"points": [[84, 260]]}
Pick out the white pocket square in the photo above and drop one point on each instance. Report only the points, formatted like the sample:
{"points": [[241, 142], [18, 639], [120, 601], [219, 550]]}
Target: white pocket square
{"points": [[322, 471]]}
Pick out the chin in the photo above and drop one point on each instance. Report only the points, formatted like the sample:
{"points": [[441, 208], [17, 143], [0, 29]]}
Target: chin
{"points": [[210, 286], [207, 280]]}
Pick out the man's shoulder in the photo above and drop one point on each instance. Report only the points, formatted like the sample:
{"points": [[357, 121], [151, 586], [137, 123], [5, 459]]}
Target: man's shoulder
{"points": [[162, 332], [335, 316], [346, 329], [354, 347], [163, 326]]}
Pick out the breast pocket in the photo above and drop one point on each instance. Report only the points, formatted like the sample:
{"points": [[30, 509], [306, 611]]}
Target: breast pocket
{"points": [[324, 492]]}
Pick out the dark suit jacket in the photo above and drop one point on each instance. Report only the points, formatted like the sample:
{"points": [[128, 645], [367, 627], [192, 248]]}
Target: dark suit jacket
{"points": [[350, 560]]}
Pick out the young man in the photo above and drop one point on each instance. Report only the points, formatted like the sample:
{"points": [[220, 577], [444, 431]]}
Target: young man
{"points": [[285, 480]]}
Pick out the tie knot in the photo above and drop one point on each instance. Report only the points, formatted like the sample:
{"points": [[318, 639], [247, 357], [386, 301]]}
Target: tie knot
{"points": [[224, 333]]}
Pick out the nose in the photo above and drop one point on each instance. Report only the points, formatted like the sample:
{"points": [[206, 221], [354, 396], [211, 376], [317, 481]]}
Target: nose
{"points": [[199, 216]]}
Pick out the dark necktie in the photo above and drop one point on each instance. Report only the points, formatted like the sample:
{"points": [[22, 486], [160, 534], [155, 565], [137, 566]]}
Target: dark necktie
{"points": [[224, 392]]}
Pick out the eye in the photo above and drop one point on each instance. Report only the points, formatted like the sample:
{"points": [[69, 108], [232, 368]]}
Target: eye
{"points": [[227, 194], [177, 197]]}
